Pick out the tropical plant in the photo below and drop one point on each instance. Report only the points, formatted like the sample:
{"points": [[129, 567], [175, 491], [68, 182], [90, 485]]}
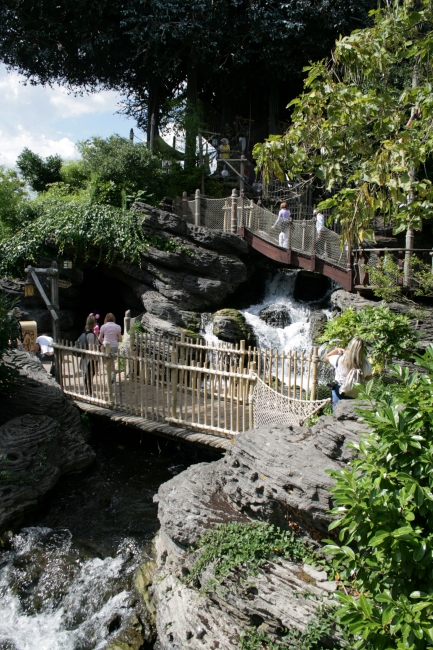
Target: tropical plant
{"points": [[362, 127], [384, 518], [387, 280], [388, 335]]}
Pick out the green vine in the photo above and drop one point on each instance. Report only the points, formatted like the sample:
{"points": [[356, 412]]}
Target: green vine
{"points": [[93, 231]]}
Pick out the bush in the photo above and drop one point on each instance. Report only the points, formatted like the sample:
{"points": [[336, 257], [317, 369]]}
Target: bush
{"points": [[384, 513], [388, 334]]}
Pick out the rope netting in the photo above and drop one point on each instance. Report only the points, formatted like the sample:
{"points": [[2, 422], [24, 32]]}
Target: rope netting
{"points": [[270, 407]]}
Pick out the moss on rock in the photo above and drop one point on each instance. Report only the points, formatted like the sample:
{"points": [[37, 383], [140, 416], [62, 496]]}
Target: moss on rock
{"points": [[230, 325]]}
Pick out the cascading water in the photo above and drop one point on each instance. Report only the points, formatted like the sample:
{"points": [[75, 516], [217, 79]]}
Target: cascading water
{"points": [[51, 599], [66, 578], [279, 291]]}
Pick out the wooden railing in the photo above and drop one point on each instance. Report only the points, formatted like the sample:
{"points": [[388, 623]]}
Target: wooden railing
{"points": [[182, 381]]}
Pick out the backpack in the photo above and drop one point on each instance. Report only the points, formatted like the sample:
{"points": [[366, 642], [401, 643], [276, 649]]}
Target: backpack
{"points": [[351, 385], [82, 341]]}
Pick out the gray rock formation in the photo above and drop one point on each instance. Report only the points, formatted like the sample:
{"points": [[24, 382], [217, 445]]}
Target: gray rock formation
{"points": [[230, 325], [342, 300], [318, 322], [276, 315], [41, 438], [271, 474]]}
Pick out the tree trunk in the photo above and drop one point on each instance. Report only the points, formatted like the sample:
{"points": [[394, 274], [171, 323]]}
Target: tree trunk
{"points": [[192, 118], [153, 107]]}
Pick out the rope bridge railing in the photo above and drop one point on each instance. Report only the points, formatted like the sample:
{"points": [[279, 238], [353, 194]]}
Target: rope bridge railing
{"points": [[300, 235], [209, 388]]}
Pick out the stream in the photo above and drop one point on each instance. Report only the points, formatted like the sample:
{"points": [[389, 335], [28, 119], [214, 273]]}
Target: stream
{"points": [[65, 578]]}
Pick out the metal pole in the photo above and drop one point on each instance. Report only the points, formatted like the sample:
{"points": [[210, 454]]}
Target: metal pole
{"points": [[242, 181], [243, 224], [152, 131], [234, 224]]}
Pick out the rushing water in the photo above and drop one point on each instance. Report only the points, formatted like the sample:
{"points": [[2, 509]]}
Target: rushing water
{"points": [[279, 291], [65, 579]]}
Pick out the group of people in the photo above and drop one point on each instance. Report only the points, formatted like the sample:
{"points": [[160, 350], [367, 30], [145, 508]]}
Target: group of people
{"points": [[110, 333], [284, 218]]}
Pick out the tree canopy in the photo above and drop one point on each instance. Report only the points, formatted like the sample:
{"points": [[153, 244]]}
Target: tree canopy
{"points": [[362, 129], [235, 57]]}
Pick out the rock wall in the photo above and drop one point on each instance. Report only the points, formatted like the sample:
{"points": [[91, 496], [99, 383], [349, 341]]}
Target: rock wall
{"points": [[41, 438], [172, 287], [269, 474]]}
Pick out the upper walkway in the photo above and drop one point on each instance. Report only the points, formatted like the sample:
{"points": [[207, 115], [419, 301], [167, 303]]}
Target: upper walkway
{"points": [[300, 246]]}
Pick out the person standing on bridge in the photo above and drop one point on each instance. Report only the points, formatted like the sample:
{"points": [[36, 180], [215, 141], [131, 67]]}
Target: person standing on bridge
{"points": [[110, 332], [351, 369], [284, 220]]}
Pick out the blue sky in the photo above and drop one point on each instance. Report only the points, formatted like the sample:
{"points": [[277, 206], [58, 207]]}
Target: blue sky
{"points": [[50, 121]]}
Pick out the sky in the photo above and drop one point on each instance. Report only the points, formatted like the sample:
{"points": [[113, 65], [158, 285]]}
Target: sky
{"points": [[50, 121]]}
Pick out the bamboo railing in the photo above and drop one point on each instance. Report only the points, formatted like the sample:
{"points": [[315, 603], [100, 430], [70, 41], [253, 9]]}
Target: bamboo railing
{"points": [[182, 381]]}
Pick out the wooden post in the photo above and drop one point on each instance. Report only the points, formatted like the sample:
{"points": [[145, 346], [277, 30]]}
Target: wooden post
{"points": [[289, 239], [176, 206], [250, 215], [197, 207], [242, 224], [314, 374], [226, 209], [250, 396], [234, 221], [173, 383], [109, 366], [127, 321], [184, 205]]}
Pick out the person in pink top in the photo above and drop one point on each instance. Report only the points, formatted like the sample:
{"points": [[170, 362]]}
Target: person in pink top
{"points": [[110, 332]]}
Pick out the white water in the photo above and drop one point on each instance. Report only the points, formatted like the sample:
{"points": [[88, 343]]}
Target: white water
{"points": [[70, 602], [279, 290]]}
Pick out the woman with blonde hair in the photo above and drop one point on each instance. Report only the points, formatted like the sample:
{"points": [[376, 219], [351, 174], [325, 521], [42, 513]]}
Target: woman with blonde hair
{"points": [[354, 358]]}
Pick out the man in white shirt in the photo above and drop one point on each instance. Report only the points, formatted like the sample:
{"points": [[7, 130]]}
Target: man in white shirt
{"points": [[320, 222], [44, 351]]}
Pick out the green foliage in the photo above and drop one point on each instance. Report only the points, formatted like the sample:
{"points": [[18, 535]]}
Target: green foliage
{"points": [[9, 332], [12, 193], [37, 172], [384, 513], [387, 334], [118, 169], [234, 545], [100, 232], [384, 279], [351, 130], [316, 632]]}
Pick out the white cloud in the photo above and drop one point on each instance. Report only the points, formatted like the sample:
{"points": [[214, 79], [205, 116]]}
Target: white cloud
{"points": [[13, 144], [49, 120]]}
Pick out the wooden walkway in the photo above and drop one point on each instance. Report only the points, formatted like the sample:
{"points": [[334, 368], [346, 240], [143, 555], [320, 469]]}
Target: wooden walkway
{"points": [[185, 389]]}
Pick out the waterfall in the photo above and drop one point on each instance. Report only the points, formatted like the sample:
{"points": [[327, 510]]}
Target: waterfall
{"points": [[52, 599], [279, 291]]}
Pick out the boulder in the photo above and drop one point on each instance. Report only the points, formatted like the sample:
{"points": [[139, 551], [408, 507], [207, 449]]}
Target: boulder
{"points": [[342, 300], [276, 315], [318, 322], [230, 325], [272, 474], [41, 437]]}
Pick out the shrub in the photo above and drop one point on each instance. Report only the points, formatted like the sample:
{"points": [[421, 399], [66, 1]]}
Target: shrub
{"points": [[388, 334], [384, 513]]}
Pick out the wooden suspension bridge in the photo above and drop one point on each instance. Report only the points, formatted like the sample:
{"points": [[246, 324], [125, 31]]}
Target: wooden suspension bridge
{"points": [[303, 245], [187, 389]]}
